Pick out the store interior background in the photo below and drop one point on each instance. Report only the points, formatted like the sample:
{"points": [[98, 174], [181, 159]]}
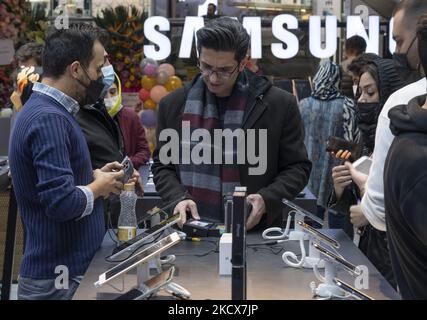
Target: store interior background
{"points": [[301, 67]]}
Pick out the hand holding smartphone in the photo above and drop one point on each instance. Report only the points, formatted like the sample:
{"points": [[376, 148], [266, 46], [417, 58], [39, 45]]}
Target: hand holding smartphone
{"points": [[343, 149], [128, 169]]}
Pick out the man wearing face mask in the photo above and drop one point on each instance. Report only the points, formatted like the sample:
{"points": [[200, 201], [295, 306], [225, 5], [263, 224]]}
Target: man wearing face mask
{"points": [[102, 134], [406, 15], [58, 194], [405, 56], [405, 194]]}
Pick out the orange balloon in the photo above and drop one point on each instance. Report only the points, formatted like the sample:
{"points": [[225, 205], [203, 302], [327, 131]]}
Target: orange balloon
{"points": [[157, 93], [173, 83], [150, 104], [148, 82]]}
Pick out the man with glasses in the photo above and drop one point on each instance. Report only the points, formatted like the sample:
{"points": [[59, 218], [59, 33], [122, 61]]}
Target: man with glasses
{"points": [[229, 97]]}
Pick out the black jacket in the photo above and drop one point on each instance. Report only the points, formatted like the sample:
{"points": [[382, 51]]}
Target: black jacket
{"points": [[405, 197], [102, 135], [288, 167]]}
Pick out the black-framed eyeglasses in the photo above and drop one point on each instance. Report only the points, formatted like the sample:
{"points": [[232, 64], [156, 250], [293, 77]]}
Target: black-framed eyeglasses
{"points": [[207, 72]]}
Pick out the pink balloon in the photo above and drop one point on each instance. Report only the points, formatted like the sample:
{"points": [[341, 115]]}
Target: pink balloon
{"points": [[150, 70], [170, 70], [157, 93]]}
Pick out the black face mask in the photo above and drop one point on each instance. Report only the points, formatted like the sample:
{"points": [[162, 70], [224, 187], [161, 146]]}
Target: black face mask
{"points": [[367, 118], [93, 90], [402, 64]]}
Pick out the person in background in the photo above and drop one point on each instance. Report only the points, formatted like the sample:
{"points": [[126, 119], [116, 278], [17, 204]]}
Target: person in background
{"points": [[326, 113], [211, 12], [405, 15], [355, 69], [103, 135], [378, 80], [135, 143], [30, 55], [405, 189], [148, 121], [404, 30], [354, 47], [58, 194], [27, 56]]}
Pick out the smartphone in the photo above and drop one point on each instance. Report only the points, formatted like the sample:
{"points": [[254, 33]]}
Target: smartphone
{"points": [[349, 266], [353, 291], [318, 234], [152, 286], [336, 144], [363, 164], [127, 168], [302, 211]]}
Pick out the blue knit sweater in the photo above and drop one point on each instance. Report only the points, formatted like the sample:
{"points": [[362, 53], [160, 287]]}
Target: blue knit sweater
{"points": [[49, 157]]}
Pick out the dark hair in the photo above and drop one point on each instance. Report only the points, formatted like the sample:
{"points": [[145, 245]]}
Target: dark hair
{"points": [[358, 63], [422, 40], [386, 77], [30, 50], [373, 71], [224, 34], [212, 4], [413, 9], [64, 46], [355, 44]]}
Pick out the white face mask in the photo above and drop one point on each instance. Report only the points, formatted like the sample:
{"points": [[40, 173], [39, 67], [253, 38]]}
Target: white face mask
{"points": [[111, 102]]}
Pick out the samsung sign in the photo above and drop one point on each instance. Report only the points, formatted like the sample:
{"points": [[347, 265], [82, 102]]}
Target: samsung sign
{"points": [[286, 46]]}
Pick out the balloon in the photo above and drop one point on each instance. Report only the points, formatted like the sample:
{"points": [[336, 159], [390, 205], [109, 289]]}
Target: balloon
{"points": [[157, 93], [148, 118], [150, 104], [173, 83], [146, 61], [148, 82], [150, 70], [162, 77], [168, 68], [144, 95]]}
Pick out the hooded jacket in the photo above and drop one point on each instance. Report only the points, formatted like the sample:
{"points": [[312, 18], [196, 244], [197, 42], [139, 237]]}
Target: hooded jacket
{"points": [[405, 197], [288, 167]]}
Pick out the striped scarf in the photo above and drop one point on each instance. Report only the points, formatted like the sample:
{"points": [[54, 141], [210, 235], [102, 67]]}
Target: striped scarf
{"points": [[208, 183], [326, 86]]}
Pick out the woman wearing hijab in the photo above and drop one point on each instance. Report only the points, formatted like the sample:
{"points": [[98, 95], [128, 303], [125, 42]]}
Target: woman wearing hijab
{"points": [[378, 80], [326, 113]]}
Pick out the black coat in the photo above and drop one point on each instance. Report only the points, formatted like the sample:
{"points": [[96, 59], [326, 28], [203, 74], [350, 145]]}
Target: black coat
{"points": [[102, 133], [288, 167]]}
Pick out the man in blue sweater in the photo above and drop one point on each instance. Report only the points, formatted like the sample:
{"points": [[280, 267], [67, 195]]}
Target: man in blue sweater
{"points": [[58, 194]]}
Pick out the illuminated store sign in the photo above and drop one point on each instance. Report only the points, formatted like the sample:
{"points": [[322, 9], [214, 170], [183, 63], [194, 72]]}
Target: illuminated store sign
{"points": [[286, 46]]}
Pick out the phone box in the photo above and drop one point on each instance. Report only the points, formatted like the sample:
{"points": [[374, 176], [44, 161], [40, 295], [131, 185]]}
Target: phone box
{"points": [[225, 244]]}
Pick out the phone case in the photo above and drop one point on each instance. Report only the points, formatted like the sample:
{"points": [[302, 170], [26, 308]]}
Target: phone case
{"points": [[335, 144]]}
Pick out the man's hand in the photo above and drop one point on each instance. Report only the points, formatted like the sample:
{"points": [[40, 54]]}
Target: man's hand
{"points": [[358, 177], [342, 178], [106, 183], [184, 206], [357, 217], [258, 209], [112, 167]]}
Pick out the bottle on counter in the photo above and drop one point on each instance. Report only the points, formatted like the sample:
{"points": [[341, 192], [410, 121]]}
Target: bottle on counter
{"points": [[127, 223]]}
